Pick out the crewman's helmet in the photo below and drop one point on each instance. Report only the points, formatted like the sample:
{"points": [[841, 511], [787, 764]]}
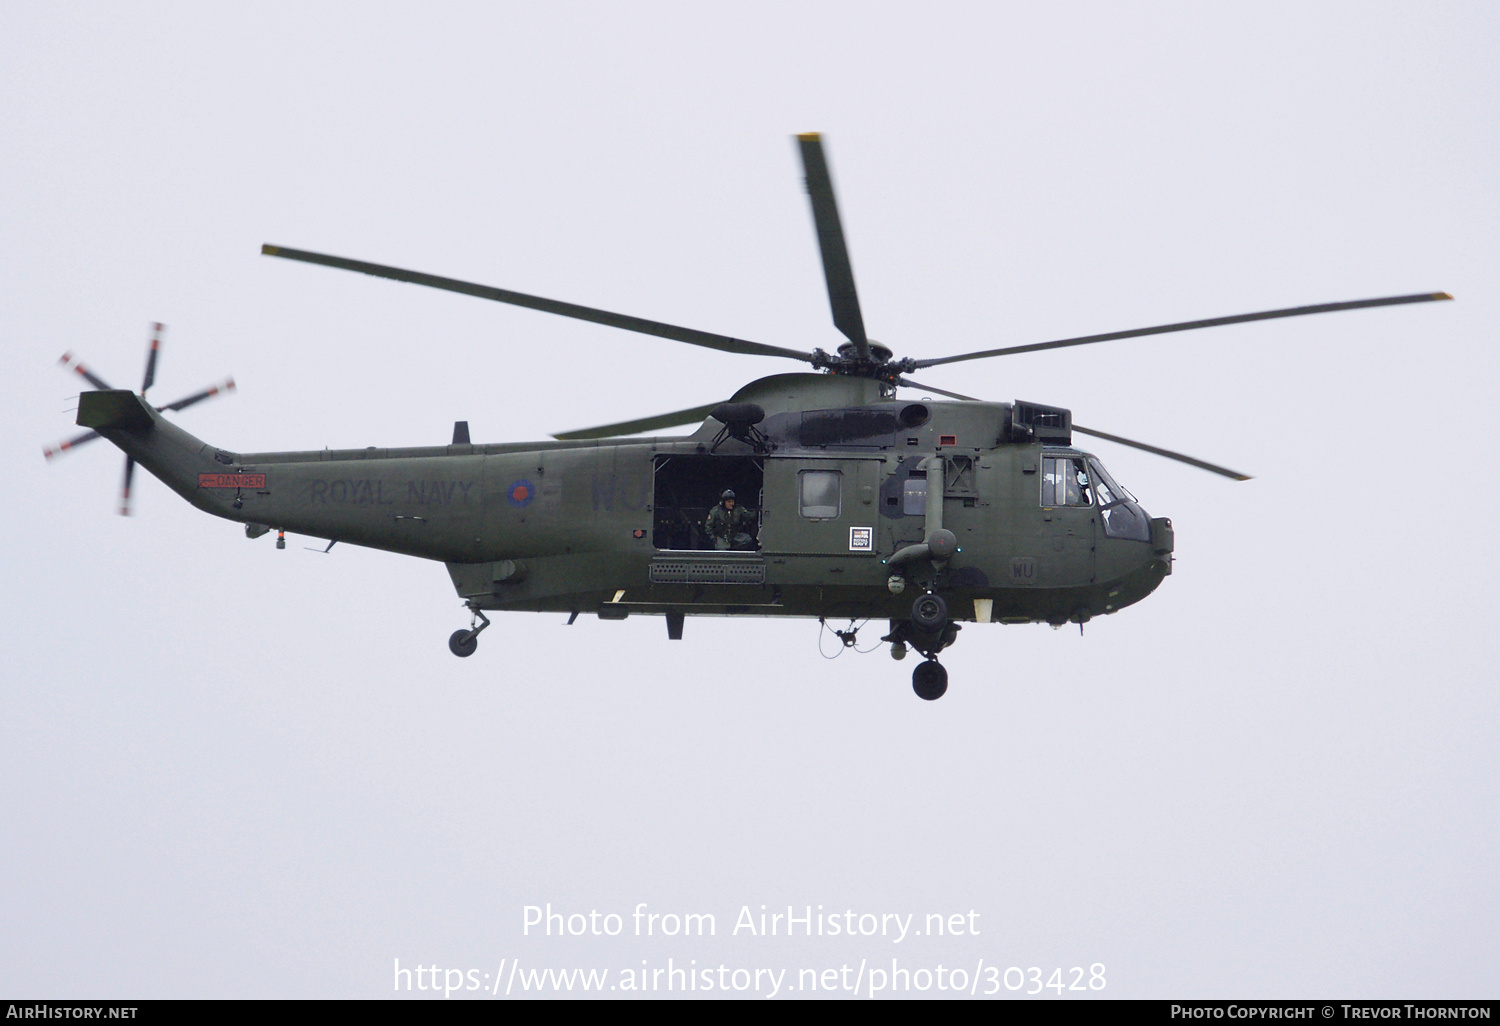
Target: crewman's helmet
{"points": [[728, 494]]}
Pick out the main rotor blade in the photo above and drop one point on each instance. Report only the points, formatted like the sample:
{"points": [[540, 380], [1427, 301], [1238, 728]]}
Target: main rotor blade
{"points": [[1168, 453], [631, 427], [909, 383], [125, 491], [836, 270], [227, 385], [1212, 322], [156, 330], [79, 369], [692, 336], [50, 451]]}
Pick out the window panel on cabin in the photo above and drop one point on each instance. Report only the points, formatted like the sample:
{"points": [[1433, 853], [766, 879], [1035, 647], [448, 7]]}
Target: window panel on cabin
{"points": [[819, 494], [1066, 482], [914, 496]]}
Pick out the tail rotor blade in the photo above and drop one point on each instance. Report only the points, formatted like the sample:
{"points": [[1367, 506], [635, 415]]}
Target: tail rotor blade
{"points": [[125, 491], [73, 363], [57, 449], [79, 369], [227, 385], [156, 330], [836, 268]]}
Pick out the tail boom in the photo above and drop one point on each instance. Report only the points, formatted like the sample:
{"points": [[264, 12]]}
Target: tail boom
{"points": [[428, 504], [177, 458]]}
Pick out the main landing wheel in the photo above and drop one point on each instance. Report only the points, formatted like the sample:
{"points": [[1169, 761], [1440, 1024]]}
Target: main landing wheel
{"points": [[462, 643], [929, 611], [929, 680]]}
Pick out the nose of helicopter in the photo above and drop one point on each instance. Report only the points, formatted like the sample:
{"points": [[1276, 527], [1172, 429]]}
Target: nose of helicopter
{"points": [[1139, 566], [1163, 541]]}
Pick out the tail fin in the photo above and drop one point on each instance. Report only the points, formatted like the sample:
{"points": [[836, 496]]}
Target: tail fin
{"points": [[116, 408]]}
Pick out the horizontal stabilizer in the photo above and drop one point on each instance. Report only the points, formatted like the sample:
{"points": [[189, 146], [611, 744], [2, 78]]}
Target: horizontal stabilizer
{"points": [[116, 408]]}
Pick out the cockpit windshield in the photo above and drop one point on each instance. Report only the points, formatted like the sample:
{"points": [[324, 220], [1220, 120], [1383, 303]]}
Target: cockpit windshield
{"points": [[1119, 512], [1109, 491]]}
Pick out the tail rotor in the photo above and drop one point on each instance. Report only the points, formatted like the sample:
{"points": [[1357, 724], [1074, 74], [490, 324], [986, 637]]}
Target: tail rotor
{"points": [[153, 349]]}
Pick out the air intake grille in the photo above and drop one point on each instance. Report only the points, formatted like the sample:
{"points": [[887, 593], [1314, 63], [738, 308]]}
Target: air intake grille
{"points": [[708, 571], [1033, 422]]}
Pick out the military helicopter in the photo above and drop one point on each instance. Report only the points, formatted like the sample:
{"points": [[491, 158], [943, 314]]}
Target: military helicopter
{"points": [[853, 503]]}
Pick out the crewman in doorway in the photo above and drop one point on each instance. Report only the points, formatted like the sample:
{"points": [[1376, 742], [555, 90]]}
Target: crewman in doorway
{"points": [[728, 526]]}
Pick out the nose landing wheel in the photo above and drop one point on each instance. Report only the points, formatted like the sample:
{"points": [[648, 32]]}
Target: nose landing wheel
{"points": [[929, 680]]}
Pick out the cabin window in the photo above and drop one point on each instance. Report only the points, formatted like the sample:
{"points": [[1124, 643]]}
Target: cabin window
{"points": [[1066, 482], [819, 494], [914, 496]]}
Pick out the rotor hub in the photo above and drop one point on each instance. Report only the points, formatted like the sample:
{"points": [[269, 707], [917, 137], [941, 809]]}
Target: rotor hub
{"points": [[878, 353], [879, 365]]}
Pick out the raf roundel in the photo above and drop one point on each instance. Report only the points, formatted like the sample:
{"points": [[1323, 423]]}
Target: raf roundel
{"points": [[521, 493]]}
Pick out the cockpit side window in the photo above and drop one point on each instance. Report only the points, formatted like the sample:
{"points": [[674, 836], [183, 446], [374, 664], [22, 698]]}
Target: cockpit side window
{"points": [[1066, 482], [1102, 480], [1102, 488], [1121, 515]]}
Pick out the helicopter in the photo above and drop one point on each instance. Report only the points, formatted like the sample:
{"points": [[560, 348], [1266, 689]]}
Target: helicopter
{"points": [[841, 500]]}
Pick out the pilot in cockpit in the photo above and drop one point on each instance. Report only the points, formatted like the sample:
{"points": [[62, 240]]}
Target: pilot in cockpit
{"points": [[1085, 496], [1074, 484]]}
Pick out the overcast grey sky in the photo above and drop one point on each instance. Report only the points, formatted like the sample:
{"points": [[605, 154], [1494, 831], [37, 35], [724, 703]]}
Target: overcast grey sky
{"points": [[228, 770]]}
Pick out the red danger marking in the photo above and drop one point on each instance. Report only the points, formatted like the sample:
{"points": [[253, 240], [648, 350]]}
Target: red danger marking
{"points": [[231, 480]]}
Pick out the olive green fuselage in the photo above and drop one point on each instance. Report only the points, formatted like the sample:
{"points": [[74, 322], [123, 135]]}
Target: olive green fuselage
{"points": [[613, 526]]}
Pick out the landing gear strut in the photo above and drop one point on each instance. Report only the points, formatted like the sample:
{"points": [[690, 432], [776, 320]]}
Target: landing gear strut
{"points": [[928, 630], [463, 643]]}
